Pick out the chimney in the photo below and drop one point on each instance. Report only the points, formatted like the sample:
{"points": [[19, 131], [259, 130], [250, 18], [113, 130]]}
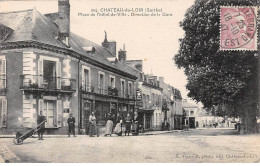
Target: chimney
{"points": [[122, 55], [110, 45], [64, 21]]}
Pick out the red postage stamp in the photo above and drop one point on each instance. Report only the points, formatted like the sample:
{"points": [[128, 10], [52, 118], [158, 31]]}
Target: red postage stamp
{"points": [[238, 29]]}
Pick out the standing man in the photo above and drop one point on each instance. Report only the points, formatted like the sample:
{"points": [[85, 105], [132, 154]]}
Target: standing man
{"points": [[71, 124], [41, 125], [128, 121]]}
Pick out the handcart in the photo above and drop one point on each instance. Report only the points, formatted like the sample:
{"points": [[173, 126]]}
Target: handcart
{"points": [[19, 138]]}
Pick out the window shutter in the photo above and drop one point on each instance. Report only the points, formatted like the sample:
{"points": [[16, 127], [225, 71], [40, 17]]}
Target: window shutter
{"points": [[41, 105], [104, 83], [99, 85], [4, 113], [83, 80], [40, 72], [4, 73], [59, 113], [58, 75]]}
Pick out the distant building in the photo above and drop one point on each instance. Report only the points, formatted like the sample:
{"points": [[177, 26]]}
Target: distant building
{"points": [[149, 105], [191, 111]]}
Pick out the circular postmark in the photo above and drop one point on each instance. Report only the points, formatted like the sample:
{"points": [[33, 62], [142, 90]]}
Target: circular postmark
{"points": [[238, 28]]}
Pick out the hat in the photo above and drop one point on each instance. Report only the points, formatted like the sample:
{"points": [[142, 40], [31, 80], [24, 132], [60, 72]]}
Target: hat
{"points": [[70, 114]]}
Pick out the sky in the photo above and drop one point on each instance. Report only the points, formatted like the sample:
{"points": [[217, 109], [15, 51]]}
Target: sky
{"points": [[153, 39]]}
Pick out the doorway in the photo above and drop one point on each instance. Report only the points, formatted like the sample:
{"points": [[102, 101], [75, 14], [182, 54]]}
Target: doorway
{"points": [[86, 111], [49, 73], [192, 122], [49, 112]]}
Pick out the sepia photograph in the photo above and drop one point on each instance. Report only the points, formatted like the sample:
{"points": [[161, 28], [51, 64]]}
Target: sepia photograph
{"points": [[129, 81]]}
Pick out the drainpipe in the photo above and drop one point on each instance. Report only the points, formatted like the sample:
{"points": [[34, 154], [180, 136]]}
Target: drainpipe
{"points": [[79, 100]]}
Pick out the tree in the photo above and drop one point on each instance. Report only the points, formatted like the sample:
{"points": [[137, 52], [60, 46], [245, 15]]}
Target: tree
{"points": [[223, 79]]}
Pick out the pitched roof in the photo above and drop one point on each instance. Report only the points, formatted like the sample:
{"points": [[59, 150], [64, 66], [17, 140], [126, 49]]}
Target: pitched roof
{"points": [[186, 104], [30, 25]]}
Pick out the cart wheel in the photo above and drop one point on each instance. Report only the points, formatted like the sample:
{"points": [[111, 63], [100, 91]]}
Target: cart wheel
{"points": [[18, 141]]}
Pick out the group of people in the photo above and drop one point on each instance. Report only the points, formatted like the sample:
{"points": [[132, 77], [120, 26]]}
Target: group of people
{"points": [[119, 122], [93, 130], [41, 125]]}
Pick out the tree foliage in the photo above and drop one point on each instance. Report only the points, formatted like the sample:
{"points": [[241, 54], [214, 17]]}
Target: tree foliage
{"points": [[227, 79]]}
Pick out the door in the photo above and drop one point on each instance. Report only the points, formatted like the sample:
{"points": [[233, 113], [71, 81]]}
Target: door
{"points": [[49, 74], [147, 121], [192, 122], [86, 111], [50, 112]]}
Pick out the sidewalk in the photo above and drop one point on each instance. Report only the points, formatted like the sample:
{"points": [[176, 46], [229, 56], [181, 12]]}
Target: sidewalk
{"points": [[63, 136]]}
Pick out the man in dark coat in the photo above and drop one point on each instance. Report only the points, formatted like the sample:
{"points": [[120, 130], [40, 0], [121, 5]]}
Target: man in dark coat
{"points": [[128, 121], [41, 121], [71, 124]]}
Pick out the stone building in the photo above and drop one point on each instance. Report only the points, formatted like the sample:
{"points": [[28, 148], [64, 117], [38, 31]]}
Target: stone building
{"points": [[191, 111], [149, 106], [45, 67], [172, 98]]}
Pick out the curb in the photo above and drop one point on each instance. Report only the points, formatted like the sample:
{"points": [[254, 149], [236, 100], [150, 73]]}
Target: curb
{"points": [[65, 136]]}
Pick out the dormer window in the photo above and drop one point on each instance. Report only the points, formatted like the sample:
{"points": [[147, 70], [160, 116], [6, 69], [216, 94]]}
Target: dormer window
{"points": [[90, 49]]}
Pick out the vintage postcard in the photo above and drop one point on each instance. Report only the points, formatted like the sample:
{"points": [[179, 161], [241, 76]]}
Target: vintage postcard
{"points": [[129, 81]]}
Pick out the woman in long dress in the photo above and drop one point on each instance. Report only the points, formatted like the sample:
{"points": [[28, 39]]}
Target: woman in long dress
{"points": [[118, 128], [93, 125], [109, 125], [135, 125]]}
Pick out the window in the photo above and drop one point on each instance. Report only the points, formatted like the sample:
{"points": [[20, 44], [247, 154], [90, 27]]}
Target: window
{"points": [[122, 87], [49, 112], [3, 113], [144, 101], [130, 89], [112, 81], [86, 81], [148, 101], [191, 113], [49, 74], [101, 82], [49, 71]]}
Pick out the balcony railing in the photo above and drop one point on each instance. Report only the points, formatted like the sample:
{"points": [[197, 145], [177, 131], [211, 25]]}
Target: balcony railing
{"points": [[102, 91], [87, 88], [109, 91], [47, 83], [122, 93], [130, 96]]}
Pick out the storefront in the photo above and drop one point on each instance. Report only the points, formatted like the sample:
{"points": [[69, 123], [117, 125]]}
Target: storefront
{"points": [[145, 117], [101, 106]]}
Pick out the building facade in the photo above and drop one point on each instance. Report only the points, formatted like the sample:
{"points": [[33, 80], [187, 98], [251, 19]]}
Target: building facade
{"points": [[149, 105], [172, 101], [45, 67], [151, 110], [191, 114]]}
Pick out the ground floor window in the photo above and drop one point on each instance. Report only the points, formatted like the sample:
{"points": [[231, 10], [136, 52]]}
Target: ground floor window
{"points": [[49, 111], [3, 113]]}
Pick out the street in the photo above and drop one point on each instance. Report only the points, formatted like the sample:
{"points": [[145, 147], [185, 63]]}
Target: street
{"points": [[201, 145]]}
